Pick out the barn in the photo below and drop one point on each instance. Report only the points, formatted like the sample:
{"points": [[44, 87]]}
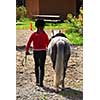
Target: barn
{"points": [[52, 7]]}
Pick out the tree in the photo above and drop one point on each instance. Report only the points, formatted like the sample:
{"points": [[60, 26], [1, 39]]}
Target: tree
{"points": [[20, 2]]}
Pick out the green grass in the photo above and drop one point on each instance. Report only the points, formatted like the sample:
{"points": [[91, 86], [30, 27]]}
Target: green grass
{"points": [[25, 24], [75, 38], [71, 33], [62, 26]]}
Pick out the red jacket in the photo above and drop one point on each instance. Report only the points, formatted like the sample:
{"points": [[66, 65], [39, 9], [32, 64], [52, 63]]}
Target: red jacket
{"points": [[40, 41]]}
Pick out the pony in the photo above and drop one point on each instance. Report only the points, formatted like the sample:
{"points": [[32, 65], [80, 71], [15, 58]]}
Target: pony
{"points": [[59, 52]]}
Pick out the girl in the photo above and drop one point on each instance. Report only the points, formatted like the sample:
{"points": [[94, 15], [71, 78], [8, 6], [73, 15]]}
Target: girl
{"points": [[40, 43]]}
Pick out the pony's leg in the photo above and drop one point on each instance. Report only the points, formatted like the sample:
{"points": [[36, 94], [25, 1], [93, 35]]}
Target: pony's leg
{"points": [[53, 55], [56, 82], [63, 86], [66, 56], [65, 67]]}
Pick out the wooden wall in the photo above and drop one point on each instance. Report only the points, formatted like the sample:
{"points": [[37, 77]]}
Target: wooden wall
{"points": [[51, 7], [57, 7], [32, 7]]}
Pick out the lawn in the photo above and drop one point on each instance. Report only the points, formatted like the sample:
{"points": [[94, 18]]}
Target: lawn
{"points": [[74, 36], [25, 24]]}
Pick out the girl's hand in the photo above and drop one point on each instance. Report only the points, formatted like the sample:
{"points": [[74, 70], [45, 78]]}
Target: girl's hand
{"points": [[27, 53]]}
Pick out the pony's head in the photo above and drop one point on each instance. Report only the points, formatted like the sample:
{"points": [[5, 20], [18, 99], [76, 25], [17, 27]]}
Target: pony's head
{"points": [[54, 32]]}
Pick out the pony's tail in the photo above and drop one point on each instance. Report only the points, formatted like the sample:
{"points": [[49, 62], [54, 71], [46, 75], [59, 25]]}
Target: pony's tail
{"points": [[59, 70]]}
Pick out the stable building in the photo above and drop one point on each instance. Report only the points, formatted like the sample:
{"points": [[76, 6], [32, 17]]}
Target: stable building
{"points": [[52, 7]]}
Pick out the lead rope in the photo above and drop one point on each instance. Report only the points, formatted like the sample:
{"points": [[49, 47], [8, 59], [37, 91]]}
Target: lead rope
{"points": [[24, 60]]}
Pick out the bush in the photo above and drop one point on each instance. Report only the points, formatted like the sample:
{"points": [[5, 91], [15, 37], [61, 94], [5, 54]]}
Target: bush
{"points": [[20, 12], [75, 23], [75, 38], [74, 31]]}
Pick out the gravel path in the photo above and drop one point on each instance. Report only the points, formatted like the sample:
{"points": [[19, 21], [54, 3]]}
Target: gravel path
{"points": [[25, 76]]}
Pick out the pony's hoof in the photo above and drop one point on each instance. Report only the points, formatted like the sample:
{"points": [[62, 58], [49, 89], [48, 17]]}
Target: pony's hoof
{"points": [[56, 90], [63, 89]]}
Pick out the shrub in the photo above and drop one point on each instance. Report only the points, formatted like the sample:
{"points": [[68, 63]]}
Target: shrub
{"points": [[74, 31], [75, 23], [20, 12], [75, 38]]}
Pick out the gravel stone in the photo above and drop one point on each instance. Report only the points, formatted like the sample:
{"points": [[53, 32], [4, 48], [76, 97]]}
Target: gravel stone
{"points": [[25, 75]]}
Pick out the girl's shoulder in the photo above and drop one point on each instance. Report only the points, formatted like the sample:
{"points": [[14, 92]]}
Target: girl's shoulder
{"points": [[33, 34]]}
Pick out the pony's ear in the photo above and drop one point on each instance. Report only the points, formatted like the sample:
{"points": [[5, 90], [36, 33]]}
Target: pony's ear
{"points": [[53, 32], [59, 31]]}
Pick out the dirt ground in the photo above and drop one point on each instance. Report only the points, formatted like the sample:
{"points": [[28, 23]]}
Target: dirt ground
{"points": [[25, 75]]}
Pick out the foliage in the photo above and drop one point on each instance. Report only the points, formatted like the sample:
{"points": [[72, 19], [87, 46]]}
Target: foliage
{"points": [[75, 23], [20, 12], [74, 31], [75, 38]]}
